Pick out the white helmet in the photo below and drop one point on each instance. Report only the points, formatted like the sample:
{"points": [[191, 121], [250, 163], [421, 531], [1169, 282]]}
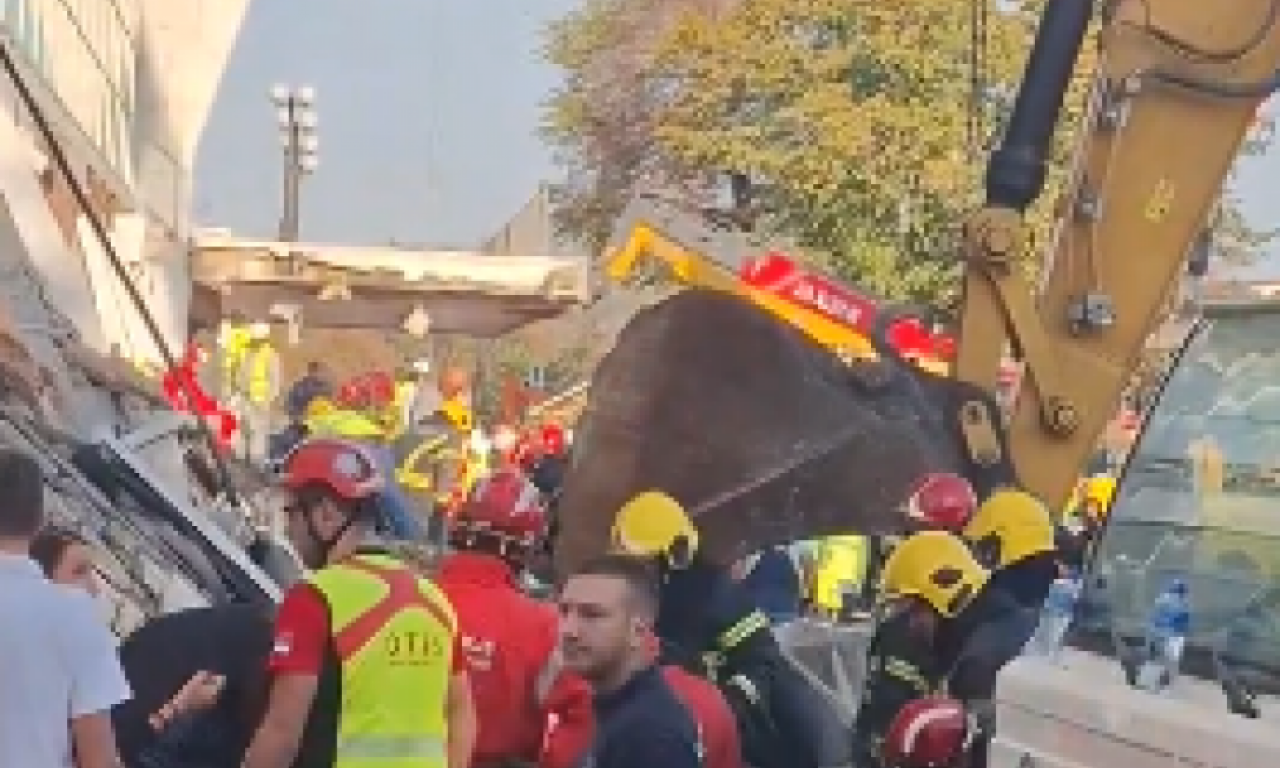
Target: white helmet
{"points": [[422, 366], [259, 331]]}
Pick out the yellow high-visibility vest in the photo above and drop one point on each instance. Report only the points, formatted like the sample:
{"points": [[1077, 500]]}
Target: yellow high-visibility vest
{"points": [[841, 561], [234, 349], [350, 425], [260, 375], [394, 636]]}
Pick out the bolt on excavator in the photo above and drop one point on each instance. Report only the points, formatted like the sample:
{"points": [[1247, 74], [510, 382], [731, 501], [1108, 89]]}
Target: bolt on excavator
{"points": [[743, 413]]}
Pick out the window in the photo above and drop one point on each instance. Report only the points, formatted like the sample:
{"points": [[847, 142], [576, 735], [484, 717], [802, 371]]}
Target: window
{"points": [[1200, 500]]}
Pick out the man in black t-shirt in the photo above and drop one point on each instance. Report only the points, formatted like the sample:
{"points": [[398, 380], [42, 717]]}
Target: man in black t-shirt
{"points": [[228, 641], [607, 612]]}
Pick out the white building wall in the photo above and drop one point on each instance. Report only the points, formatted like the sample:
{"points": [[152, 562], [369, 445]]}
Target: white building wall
{"points": [[133, 82]]}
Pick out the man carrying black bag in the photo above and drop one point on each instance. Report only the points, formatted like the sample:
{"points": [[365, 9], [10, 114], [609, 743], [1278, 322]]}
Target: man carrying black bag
{"points": [[199, 682]]}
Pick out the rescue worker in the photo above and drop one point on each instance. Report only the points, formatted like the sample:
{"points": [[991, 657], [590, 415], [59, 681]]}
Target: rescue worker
{"points": [[509, 639], [1014, 535], [707, 622], [933, 732], [945, 623], [1077, 536], [260, 388], [939, 501], [366, 667]]}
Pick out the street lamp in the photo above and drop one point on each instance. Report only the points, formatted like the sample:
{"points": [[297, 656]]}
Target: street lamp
{"points": [[296, 114]]}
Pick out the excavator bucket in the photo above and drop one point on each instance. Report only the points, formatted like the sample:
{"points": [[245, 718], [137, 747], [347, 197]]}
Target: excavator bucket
{"points": [[763, 435]]}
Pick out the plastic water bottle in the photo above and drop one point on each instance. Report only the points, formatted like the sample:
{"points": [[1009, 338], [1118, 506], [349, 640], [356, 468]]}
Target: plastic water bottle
{"points": [[1166, 638], [1055, 617]]}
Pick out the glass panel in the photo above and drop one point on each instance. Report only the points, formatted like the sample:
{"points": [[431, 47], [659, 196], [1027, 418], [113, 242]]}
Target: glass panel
{"points": [[1200, 500]]}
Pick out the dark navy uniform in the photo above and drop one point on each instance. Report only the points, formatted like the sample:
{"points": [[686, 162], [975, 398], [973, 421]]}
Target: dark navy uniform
{"points": [[902, 666], [965, 654], [709, 624], [643, 724]]}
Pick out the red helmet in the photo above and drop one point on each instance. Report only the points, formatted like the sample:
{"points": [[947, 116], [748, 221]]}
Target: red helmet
{"points": [[505, 504], [941, 501], [932, 732], [343, 467], [526, 452], [381, 388], [353, 394], [553, 439]]}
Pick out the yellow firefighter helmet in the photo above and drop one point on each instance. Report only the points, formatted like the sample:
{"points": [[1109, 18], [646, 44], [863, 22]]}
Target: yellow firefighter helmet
{"points": [[458, 414], [654, 524], [936, 567], [1010, 526]]}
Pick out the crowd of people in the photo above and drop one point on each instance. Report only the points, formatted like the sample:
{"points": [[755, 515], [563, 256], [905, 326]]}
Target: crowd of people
{"points": [[650, 655]]}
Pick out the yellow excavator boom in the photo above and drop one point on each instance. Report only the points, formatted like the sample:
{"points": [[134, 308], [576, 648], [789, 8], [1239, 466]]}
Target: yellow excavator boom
{"points": [[1177, 88]]}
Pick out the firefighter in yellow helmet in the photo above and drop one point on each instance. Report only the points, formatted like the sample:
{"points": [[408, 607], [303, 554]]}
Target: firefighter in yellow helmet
{"points": [[945, 625], [708, 621], [1014, 535]]}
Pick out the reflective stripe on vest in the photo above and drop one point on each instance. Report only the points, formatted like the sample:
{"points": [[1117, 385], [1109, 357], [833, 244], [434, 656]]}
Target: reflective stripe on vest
{"points": [[394, 636], [747, 626], [260, 375]]}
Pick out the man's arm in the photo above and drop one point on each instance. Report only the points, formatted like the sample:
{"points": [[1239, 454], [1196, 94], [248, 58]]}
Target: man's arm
{"points": [[93, 741], [297, 658], [276, 743], [98, 685], [460, 711]]}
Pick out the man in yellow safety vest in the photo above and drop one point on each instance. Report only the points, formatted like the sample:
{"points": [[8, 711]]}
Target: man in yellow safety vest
{"points": [[366, 669], [259, 390]]}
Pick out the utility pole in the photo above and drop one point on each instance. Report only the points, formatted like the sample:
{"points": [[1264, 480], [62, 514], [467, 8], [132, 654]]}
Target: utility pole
{"points": [[296, 117]]}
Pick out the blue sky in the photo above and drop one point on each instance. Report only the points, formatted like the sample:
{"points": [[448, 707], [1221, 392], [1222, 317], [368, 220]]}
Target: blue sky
{"points": [[427, 112]]}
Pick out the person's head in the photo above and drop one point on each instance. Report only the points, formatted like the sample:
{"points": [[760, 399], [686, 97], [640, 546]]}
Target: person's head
{"points": [[940, 501], [933, 575], [65, 558], [931, 732], [654, 525], [22, 510], [1009, 527], [607, 611], [503, 516], [315, 369], [333, 488]]}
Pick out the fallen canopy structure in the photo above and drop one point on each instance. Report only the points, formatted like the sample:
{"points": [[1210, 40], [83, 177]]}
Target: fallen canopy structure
{"points": [[763, 434]]}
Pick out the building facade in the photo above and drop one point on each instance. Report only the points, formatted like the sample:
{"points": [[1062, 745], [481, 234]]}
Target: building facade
{"points": [[127, 87]]}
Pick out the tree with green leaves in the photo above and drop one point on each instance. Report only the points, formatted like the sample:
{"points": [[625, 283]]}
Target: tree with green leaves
{"points": [[859, 124]]}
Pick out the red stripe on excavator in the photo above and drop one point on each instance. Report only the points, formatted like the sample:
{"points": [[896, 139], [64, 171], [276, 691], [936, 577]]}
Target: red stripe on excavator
{"points": [[403, 592]]}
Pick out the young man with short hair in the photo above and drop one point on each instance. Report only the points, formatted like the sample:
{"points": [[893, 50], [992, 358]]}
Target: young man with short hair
{"points": [[607, 611], [59, 671]]}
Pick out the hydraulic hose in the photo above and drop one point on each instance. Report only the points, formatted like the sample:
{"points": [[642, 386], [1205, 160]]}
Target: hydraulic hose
{"points": [[59, 157]]}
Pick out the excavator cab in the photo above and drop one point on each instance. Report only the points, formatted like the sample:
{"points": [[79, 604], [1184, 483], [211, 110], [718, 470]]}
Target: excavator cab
{"points": [[1198, 502]]}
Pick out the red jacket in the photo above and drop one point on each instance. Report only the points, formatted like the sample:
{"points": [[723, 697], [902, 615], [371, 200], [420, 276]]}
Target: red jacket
{"points": [[715, 719], [567, 743], [509, 642]]}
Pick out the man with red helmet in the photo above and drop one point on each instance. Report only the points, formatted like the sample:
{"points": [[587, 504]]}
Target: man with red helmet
{"points": [[940, 501], [509, 639], [947, 624], [366, 661], [930, 732]]}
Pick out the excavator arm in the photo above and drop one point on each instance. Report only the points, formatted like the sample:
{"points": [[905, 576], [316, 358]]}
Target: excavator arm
{"points": [[767, 437], [1178, 87], [657, 240]]}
